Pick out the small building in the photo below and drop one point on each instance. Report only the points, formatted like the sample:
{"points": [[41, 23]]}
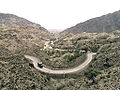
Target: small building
{"points": [[50, 47], [52, 42], [82, 51]]}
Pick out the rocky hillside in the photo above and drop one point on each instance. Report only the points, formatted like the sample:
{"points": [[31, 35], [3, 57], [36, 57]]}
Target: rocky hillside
{"points": [[105, 23], [14, 72], [18, 73], [10, 20], [103, 72]]}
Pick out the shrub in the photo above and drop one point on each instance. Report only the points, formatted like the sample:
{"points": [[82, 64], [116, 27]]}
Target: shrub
{"points": [[94, 48], [90, 74], [46, 59], [72, 57], [50, 53]]}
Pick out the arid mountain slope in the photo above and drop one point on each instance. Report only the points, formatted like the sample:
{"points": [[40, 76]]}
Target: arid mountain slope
{"points": [[18, 38], [16, 72], [14, 43], [105, 23], [10, 20]]}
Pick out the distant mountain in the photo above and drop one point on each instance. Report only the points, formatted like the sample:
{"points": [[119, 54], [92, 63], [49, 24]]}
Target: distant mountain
{"points": [[55, 30], [10, 20], [105, 23]]}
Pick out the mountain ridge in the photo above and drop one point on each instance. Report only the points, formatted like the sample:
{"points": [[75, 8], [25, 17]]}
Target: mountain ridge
{"points": [[11, 20], [105, 23]]}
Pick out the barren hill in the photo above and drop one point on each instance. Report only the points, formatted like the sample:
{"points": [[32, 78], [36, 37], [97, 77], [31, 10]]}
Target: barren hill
{"points": [[105, 23], [10, 20]]}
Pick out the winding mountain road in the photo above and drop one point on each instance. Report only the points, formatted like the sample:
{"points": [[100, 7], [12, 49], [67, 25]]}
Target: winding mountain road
{"points": [[65, 71]]}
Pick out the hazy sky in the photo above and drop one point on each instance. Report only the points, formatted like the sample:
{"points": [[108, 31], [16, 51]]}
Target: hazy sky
{"points": [[59, 14]]}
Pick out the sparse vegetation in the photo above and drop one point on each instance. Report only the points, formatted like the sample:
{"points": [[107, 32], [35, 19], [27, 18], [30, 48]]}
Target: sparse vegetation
{"points": [[73, 57], [92, 73], [16, 72]]}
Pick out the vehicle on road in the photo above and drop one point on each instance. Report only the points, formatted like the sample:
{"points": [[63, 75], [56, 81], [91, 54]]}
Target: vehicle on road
{"points": [[40, 65]]}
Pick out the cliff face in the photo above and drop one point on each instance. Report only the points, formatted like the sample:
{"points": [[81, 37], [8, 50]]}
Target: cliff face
{"points": [[106, 23], [10, 20]]}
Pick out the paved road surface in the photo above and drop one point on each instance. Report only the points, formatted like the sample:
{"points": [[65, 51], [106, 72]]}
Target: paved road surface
{"points": [[65, 71]]}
